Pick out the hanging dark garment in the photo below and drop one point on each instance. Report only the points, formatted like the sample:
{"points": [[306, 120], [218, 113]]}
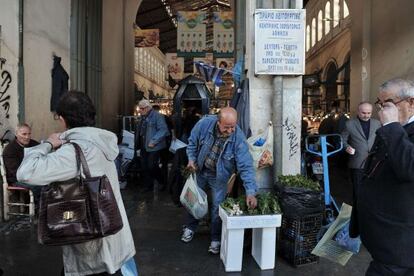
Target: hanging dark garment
{"points": [[241, 103], [59, 82]]}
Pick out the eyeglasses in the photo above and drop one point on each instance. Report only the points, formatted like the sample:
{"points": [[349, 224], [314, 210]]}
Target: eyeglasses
{"points": [[380, 105]]}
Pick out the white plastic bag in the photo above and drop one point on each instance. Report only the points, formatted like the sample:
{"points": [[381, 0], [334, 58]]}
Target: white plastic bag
{"points": [[193, 198], [261, 148]]}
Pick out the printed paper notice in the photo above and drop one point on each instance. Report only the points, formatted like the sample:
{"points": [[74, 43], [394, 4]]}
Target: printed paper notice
{"points": [[280, 41]]}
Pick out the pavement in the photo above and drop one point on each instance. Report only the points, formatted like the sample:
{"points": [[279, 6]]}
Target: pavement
{"points": [[156, 226]]}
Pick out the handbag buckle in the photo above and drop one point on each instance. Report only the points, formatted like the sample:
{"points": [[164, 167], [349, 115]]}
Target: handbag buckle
{"points": [[68, 215]]}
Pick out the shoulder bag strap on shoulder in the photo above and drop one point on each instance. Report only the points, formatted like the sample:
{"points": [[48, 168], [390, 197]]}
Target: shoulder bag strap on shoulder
{"points": [[80, 156]]}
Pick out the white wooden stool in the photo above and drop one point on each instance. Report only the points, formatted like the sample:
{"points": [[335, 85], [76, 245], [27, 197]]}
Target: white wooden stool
{"points": [[263, 239]]}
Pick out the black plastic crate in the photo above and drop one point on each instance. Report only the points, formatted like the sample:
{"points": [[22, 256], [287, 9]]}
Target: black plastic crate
{"points": [[298, 237], [296, 226]]}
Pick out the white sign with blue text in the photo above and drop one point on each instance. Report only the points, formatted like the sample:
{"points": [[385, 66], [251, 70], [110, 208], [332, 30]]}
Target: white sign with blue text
{"points": [[280, 41]]}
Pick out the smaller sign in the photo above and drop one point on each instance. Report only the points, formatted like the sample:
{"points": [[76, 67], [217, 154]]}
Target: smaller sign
{"points": [[147, 38], [280, 41], [175, 66]]}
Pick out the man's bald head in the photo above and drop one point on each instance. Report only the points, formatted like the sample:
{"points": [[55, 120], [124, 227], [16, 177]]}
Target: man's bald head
{"points": [[227, 120]]}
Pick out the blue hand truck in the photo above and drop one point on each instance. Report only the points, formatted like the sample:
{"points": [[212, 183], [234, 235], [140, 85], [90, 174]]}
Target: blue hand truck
{"points": [[331, 208]]}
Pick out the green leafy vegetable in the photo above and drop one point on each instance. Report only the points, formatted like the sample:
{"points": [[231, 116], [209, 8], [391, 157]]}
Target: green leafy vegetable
{"points": [[267, 204], [299, 181]]}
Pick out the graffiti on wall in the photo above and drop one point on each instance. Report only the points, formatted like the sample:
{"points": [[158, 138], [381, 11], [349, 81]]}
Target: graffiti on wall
{"points": [[5, 81], [290, 129]]}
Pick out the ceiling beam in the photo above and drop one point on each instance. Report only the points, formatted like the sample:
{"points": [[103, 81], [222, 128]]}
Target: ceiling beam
{"points": [[158, 22], [151, 10]]}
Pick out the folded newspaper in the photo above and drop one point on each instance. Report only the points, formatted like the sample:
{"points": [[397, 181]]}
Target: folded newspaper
{"points": [[177, 144], [329, 247]]}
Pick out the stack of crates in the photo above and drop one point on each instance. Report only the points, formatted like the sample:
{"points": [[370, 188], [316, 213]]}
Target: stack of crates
{"points": [[298, 237]]}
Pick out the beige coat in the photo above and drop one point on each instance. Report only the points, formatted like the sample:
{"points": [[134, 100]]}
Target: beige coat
{"points": [[42, 166]]}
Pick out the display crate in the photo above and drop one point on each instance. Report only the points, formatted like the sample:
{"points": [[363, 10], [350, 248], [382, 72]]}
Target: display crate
{"points": [[298, 237]]}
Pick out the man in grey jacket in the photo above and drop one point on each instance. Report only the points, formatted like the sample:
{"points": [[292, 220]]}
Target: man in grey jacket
{"points": [[359, 136]]}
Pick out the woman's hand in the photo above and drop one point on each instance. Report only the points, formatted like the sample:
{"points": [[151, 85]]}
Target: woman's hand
{"points": [[55, 140]]}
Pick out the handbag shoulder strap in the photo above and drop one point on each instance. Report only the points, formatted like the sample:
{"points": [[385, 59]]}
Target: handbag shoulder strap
{"points": [[80, 156]]}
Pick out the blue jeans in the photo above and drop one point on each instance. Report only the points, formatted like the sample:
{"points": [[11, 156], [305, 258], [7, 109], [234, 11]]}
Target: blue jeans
{"points": [[207, 179]]}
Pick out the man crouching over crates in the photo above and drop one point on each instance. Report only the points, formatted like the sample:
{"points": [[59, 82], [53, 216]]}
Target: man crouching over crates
{"points": [[216, 149]]}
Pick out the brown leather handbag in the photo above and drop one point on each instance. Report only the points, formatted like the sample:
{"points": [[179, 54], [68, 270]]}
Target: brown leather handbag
{"points": [[79, 209]]}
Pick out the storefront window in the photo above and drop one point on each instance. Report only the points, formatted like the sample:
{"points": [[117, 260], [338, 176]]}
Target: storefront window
{"points": [[336, 12], [346, 10], [313, 32], [327, 17], [320, 25]]}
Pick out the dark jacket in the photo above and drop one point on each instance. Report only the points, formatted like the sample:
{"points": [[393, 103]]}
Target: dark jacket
{"points": [[12, 156], [60, 81], [384, 213]]}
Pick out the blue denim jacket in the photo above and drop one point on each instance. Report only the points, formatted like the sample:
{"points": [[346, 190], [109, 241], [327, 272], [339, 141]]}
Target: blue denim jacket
{"points": [[235, 154], [157, 131]]}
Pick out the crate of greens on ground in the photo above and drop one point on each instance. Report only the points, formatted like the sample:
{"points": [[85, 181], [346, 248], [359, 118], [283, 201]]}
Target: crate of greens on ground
{"points": [[299, 195], [263, 220]]}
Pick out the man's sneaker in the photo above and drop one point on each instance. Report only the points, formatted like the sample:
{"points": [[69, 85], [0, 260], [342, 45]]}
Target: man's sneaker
{"points": [[187, 235], [214, 247]]}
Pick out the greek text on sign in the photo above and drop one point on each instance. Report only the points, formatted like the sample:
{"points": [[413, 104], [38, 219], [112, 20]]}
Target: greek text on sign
{"points": [[280, 41]]}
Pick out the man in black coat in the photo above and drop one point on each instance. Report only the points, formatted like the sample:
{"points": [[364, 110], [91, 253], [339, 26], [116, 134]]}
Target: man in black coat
{"points": [[13, 156], [384, 211]]}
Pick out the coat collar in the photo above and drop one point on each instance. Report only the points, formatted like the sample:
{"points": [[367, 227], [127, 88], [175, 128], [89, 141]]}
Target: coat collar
{"points": [[409, 128]]}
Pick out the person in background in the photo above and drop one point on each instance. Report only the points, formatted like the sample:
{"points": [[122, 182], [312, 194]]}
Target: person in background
{"points": [[384, 212], [358, 137], [216, 148], [151, 139], [165, 153], [13, 156], [55, 160]]}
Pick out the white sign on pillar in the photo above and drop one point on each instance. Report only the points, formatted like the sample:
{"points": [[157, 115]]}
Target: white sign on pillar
{"points": [[280, 41]]}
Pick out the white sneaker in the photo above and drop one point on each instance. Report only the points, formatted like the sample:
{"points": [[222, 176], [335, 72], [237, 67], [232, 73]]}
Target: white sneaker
{"points": [[187, 235], [214, 247]]}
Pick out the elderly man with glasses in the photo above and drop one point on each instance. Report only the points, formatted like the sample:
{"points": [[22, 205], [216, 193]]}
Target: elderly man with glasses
{"points": [[384, 211], [151, 135]]}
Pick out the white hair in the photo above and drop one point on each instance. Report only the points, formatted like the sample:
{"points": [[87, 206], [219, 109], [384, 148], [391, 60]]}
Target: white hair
{"points": [[144, 103], [22, 125], [405, 88]]}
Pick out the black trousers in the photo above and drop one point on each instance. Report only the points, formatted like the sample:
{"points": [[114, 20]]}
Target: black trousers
{"points": [[150, 168], [356, 177], [377, 268]]}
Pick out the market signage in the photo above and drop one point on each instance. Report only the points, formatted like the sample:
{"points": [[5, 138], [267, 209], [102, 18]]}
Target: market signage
{"points": [[223, 44], [191, 34], [280, 41], [175, 66], [147, 37]]}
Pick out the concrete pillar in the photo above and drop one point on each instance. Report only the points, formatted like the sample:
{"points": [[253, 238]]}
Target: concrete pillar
{"points": [[261, 93], [360, 52], [277, 99]]}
